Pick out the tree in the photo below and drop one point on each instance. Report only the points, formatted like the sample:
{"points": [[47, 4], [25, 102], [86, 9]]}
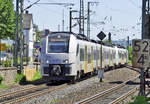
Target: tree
{"points": [[7, 19], [37, 33]]}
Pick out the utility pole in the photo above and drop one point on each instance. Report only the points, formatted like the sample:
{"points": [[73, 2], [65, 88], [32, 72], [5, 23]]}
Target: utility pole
{"points": [[21, 34], [70, 20], [81, 18], [145, 19], [88, 18], [145, 35], [63, 21], [16, 38], [128, 45], [88, 21], [19, 39]]}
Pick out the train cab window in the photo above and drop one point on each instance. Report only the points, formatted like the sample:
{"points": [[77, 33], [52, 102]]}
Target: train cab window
{"points": [[81, 54], [77, 50], [56, 45]]}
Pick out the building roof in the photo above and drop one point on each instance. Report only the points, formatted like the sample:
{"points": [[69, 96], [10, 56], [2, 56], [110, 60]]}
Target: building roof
{"points": [[27, 20]]}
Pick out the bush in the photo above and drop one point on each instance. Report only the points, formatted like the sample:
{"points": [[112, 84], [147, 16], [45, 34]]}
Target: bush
{"points": [[37, 76], [1, 79], [130, 53], [7, 63], [140, 100], [26, 59], [20, 78]]}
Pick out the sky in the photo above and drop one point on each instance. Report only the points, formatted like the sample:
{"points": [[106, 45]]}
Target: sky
{"points": [[121, 18]]}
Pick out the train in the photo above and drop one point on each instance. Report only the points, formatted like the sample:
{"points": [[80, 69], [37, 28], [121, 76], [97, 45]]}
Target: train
{"points": [[69, 56]]}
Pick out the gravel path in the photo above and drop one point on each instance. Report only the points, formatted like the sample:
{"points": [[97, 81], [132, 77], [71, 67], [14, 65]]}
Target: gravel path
{"points": [[85, 88]]}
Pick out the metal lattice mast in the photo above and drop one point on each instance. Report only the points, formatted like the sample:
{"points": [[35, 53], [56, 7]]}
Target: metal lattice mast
{"points": [[145, 19], [88, 21], [19, 33], [88, 18], [81, 17], [16, 35]]}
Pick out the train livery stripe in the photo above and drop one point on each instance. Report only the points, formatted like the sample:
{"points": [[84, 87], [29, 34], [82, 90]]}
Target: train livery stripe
{"points": [[100, 58], [92, 54], [112, 57], [103, 58], [85, 59], [121, 57], [109, 57]]}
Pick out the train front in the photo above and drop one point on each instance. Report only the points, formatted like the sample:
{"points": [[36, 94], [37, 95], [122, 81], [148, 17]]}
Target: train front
{"points": [[55, 62]]}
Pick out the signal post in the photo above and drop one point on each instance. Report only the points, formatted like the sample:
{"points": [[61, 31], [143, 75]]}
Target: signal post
{"points": [[101, 36]]}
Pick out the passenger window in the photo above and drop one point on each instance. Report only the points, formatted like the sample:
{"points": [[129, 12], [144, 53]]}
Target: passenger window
{"points": [[81, 54], [77, 50], [89, 58]]}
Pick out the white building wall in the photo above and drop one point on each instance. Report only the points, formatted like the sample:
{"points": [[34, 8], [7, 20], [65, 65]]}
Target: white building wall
{"points": [[29, 33]]}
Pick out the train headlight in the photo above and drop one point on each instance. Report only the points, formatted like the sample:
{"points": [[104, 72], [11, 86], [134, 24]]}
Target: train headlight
{"points": [[47, 61], [66, 61]]}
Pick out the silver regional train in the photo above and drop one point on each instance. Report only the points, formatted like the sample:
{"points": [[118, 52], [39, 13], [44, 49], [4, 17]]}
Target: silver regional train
{"points": [[68, 56]]}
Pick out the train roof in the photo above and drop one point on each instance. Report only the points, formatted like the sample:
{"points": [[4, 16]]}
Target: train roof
{"points": [[84, 37]]}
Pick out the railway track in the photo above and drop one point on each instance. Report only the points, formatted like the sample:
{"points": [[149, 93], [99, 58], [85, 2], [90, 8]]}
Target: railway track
{"points": [[123, 97], [27, 93], [111, 94], [132, 68]]}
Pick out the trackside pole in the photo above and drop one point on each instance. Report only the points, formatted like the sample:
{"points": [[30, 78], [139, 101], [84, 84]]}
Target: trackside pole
{"points": [[101, 36], [101, 71], [142, 82]]}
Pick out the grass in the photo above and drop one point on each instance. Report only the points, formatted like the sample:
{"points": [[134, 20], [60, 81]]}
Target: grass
{"points": [[130, 62], [3, 86], [139, 100], [37, 75]]}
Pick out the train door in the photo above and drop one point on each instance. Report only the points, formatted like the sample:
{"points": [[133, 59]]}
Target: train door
{"points": [[99, 52], [78, 66], [116, 56], [109, 57], [92, 54], [103, 57], [96, 58], [85, 59]]}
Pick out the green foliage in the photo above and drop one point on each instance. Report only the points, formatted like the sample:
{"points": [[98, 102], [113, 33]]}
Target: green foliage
{"points": [[140, 100], [130, 53], [37, 33], [20, 78], [26, 59], [2, 86], [107, 41], [7, 19], [9, 48], [37, 76], [1, 79], [7, 63]]}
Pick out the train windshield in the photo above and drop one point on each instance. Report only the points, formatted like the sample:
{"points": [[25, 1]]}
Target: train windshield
{"points": [[58, 45]]}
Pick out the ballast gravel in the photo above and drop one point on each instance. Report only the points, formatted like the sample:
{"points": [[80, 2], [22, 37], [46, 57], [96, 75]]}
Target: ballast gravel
{"points": [[85, 88]]}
